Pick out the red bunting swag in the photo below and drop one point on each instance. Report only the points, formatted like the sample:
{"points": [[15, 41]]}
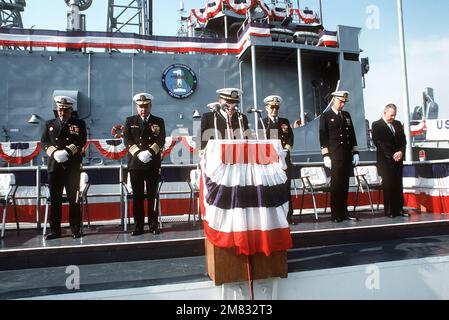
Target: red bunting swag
{"points": [[113, 149], [240, 6], [19, 152]]}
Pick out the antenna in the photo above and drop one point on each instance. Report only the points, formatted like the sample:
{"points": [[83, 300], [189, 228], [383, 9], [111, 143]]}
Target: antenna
{"points": [[10, 13], [182, 31], [134, 16]]}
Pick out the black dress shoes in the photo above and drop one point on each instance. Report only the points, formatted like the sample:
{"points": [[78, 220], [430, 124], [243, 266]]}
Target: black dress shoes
{"points": [[76, 235], [291, 221], [348, 217], [154, 230], [137, 232], [53, 235], [404, 214], [337, 220]]}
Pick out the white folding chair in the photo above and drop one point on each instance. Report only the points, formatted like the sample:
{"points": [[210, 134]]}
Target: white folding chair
{"points": [[314, 179], [367, 178], [7, 188], [194, 184]]}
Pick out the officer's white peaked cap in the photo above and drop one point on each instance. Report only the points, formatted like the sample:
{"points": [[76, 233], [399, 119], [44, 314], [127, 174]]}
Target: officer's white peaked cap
{"points": [[344, 95], [64, 102], [143, 98], [273, 100], [230, 94]]}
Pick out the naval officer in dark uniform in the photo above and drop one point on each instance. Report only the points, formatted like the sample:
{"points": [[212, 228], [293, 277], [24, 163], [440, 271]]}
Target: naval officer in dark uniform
{"points": [[145, 139], [389, 138], [63, 139], [224, 121], [276, 127], [340, 153]]}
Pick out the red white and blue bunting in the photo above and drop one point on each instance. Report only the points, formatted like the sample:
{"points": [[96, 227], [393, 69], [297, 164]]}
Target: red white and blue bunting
{"points": [[113, 149], [19, 152], [240, 6], [61, 40], [418, 129], [243, 198]]}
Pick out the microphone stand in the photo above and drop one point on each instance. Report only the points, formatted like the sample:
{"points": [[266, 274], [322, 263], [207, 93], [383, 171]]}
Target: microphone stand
{"points": [[240, 117]]}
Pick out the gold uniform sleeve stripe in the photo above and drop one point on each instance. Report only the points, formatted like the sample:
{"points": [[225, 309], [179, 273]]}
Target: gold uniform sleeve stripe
{"points": [[155, 148], [288, 147], [73, 149], [325, 151], [134, 149], [355, 149], [50, 150]]}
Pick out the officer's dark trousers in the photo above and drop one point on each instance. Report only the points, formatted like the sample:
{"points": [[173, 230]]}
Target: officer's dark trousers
{"points": [[392, 189], [70, 179], [138, 180], [340, 173]]}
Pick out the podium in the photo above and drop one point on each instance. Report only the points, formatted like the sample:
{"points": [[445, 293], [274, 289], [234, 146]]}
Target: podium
{"points": [[244, 206]]}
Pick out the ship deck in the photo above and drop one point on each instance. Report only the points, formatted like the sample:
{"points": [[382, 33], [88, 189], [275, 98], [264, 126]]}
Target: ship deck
{"points": [[109, 258]]}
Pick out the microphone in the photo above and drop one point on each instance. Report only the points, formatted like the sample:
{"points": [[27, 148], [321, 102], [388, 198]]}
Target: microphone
{"points": [[253, 109]]}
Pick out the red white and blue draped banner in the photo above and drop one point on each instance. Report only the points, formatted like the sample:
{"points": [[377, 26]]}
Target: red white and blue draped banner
{"points": [[240, 6], [306, 16], [328, 39], [127, 41], [243, 198], [426, 186], [19, 152], [213, 7], [113, 149], [418, 129]]}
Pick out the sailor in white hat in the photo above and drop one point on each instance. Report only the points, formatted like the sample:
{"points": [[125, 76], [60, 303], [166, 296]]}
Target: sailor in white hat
{"points": [[279, 128], [63, 140], [340, 152], [145, 138], [225, 120]]}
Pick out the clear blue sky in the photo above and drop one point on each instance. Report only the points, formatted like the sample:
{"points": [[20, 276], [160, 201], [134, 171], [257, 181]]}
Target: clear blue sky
{"points": [[426, 27]]}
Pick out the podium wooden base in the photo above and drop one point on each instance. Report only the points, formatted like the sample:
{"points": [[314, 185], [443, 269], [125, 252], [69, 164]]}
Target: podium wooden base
{"points": [[225, 266]]}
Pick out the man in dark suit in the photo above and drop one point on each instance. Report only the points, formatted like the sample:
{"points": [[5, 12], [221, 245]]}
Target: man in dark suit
{"points": [[279, 128], [224, 121], [63, 139], [145, 139], [340, 153], [389, 138]]}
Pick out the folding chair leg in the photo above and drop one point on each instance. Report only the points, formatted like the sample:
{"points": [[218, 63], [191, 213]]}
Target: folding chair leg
{"points": [[86, 203], [370, 201], [356, 199], [45, 220], [314, 205], [325, 208], [302, 203], [191, 209], [125, 221], [4, 221], [15, 215]]}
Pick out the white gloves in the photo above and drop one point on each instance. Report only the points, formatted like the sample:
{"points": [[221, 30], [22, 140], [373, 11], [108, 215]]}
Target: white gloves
{"points": [[61, 156], [327, 162], [144, 156], [355, 160]]}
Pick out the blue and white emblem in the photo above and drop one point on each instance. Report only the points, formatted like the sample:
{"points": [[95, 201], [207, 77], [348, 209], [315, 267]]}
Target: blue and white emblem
{"points": [[179, 81]]}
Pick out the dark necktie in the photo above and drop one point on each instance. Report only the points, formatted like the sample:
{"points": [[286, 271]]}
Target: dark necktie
{"points": [[340, 115]]}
